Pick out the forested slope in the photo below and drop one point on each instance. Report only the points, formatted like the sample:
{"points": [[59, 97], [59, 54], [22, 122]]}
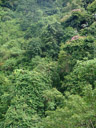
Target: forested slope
{"points": [[47, 63]]}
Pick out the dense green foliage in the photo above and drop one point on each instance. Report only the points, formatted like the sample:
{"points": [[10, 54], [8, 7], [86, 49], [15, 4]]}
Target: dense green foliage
{"points": [[47, 63]]}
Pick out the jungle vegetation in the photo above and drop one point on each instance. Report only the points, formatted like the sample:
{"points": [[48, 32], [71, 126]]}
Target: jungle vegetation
{"points": [[47, 63]]}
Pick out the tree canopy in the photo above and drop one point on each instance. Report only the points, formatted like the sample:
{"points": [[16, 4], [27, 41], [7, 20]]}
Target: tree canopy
{"points": [[47, 63]]}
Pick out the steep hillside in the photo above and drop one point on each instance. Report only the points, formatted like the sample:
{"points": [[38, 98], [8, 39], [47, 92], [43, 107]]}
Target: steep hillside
{"points": [[47, 63]]}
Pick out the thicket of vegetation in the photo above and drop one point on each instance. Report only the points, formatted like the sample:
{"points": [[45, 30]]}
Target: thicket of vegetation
{"points": [[47, 63]]}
